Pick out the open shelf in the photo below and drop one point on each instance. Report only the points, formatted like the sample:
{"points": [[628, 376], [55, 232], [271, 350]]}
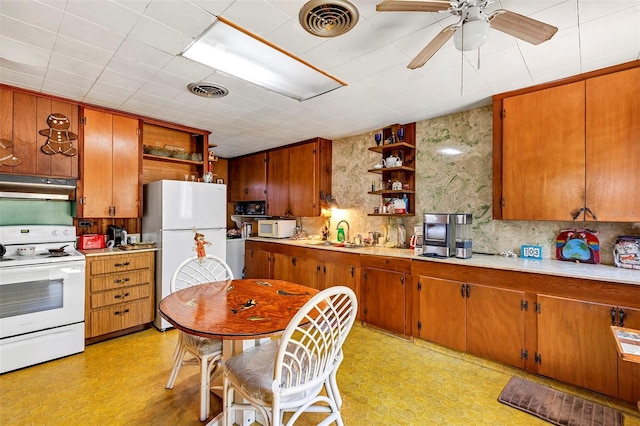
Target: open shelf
{"points": [[171, 159]]}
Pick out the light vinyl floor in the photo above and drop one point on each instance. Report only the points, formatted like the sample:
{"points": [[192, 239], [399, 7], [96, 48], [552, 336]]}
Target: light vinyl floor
{"points": [[383, 381]]}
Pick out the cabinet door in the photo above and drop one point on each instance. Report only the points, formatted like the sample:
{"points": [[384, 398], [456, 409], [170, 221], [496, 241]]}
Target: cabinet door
{"points": [[544, 166], [442, 308], [126, 167], [257, 264], [629, 372], [97, 173], [384, 300], [496, 324], [575, 344], [247, 178], [278, 183], [300, 270], [333, 274], [303, 184], [613, 148]]}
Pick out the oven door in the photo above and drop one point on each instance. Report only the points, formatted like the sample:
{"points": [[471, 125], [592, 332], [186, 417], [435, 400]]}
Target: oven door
{"points": [[40, 297]]}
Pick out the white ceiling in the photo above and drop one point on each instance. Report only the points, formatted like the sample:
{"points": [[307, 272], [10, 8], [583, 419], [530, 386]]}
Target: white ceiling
{"points": [[122, 54]]}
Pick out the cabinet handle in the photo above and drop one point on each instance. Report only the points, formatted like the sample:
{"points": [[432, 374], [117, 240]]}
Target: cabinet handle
{"points": [[462, 290], [621, 315], [246, 190], [613, 316], [466, 290], [294, 261], [117, 281], [577, 214], [588, 210], [118, 296], [117, 265], [121, 312]]}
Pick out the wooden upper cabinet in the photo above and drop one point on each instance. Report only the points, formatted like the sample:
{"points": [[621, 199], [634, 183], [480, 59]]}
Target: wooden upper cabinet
{"points": [[570, 150], [613, 146], [543, 154], [22, 117], [110, 166], [248, 178], [298, 176]]}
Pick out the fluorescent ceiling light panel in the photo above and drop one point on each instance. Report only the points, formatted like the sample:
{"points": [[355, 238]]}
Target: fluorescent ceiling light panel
{"points": [[233, 50]]}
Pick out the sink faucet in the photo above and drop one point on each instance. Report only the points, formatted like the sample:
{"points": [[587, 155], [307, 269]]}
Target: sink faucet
{"points": [[346, 238]]}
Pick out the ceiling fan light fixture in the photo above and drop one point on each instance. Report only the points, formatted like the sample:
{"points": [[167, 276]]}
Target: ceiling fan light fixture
{"points": [[471, 35]]}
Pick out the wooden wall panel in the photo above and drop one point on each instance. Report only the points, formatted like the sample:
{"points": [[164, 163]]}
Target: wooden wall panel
{"points": [[24, 128]]}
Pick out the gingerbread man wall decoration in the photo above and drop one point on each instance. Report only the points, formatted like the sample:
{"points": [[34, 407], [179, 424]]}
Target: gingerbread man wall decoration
{"points": [[58, 136], [6, 156]]}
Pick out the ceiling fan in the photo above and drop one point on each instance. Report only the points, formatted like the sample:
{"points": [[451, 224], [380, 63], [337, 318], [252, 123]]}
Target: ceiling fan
{"points": [[471, 30]]}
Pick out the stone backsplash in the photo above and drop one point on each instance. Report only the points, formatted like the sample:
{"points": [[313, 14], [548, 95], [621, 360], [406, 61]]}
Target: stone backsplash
{"points": [[459, 183]]}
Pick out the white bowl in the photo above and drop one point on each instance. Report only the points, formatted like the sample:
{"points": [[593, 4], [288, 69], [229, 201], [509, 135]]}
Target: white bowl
{"points": [[26, 251], [377, 166]]}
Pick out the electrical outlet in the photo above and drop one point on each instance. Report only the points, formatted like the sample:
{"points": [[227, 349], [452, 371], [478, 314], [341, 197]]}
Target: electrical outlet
{"points": [[84, 223]]}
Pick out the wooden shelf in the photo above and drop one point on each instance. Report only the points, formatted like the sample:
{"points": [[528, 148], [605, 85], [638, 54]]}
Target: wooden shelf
{"points": [[389, 147], [391, 214], [171, 159], [391, 192], [392, 169]]}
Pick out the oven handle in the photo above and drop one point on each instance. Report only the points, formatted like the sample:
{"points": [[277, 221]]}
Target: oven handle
{"points": [[56, 268]]}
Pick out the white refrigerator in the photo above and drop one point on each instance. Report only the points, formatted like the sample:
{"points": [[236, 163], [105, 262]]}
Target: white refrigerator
{"points": [[171, 210]]}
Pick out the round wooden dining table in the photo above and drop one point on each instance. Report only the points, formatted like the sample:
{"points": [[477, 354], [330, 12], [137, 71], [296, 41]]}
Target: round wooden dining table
{"points": [[239, 309]]}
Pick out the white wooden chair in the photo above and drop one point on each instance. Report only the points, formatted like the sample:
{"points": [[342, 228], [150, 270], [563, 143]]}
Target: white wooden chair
{"points": [[288, 374], [205, 352]]}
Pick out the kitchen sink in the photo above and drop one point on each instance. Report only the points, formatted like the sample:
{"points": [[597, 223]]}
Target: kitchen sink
{"points": [[335, 244]]}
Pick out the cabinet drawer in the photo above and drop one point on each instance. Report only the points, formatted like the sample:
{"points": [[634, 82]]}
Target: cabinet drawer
{"points": [[126, 294], [119, 263], [119, 281], [119, 317]]}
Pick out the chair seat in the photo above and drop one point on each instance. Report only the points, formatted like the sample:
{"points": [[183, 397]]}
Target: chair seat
{"points": [[254, 370], [202, 345]]}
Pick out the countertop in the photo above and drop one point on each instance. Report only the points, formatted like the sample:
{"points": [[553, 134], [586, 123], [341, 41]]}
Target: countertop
{"points": [[110, 251], [544, 266]]}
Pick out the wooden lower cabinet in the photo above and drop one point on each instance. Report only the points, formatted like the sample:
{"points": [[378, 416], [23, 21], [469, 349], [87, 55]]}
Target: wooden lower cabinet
{"points": [[257, 263], [629, 372], [297, 269], [384, 294], [482, 320], [575, 345], [119, 289]]}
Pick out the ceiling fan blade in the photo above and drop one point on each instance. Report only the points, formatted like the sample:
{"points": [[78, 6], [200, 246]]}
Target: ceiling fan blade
{"points": [[433, 46], [522, 27], [412, 6]]}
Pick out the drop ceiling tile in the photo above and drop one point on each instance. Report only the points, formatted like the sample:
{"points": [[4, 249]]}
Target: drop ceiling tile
{"points": [[74, 66], [21, 53], [593, 10], [395, 25], [126, 66], [80, 29], [36, 14], [187, 69], [362, 39], [102, 88], [120, 80], [87, 53], [215, 7], [19, 79], [140, 52], [106, 14], [70, 91], [31, 70], [257, 16], [183, 16], [26, 33], [138, 6], [294, 39], [160, 36], [326, 56]]}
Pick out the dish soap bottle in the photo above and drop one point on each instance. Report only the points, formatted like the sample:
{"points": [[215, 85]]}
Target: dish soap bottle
{"points": [[340, 235], [406, 203]]}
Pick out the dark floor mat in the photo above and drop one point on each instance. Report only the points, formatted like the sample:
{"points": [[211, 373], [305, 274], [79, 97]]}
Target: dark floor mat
{"points": [[557, 407]]}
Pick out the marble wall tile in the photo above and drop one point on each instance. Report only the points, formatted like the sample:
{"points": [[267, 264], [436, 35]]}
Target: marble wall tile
{"points": [[459, 183]]}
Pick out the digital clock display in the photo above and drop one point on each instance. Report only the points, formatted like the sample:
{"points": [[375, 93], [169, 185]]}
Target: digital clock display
{"points": [[531, 252]]}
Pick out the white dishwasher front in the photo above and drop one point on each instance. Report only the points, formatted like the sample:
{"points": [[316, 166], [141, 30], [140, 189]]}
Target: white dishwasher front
{"points": [[235, 256]]}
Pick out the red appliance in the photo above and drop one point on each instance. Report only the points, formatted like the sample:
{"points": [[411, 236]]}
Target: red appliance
{"points": [[91, 241]]}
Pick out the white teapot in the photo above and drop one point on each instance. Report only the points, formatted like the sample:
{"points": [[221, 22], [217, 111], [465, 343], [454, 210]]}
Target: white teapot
{"points": [[391, 161]]}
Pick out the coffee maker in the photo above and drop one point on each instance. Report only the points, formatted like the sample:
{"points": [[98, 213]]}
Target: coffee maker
{"points": [[117, 234], [447, 235]]}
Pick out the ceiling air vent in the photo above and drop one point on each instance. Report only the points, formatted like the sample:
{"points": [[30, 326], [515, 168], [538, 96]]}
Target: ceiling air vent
{"points": [[207, 90], [328, 18]]}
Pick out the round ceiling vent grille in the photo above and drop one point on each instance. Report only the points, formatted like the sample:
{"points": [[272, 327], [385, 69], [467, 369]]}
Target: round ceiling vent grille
{"points": [[324, 18], [207, 90]]}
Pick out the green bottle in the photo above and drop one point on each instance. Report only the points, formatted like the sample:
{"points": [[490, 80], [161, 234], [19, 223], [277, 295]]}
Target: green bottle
{"points": [[340, 235]]}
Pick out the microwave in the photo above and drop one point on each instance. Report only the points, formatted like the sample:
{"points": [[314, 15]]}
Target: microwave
{"points": [[276, 228]]}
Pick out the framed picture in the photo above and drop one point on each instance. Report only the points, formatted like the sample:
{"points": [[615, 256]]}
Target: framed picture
{"points": [[220, 180]]}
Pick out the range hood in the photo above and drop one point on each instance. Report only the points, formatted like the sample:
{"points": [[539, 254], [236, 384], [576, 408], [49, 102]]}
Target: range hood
{"points": [[37, 187]]}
